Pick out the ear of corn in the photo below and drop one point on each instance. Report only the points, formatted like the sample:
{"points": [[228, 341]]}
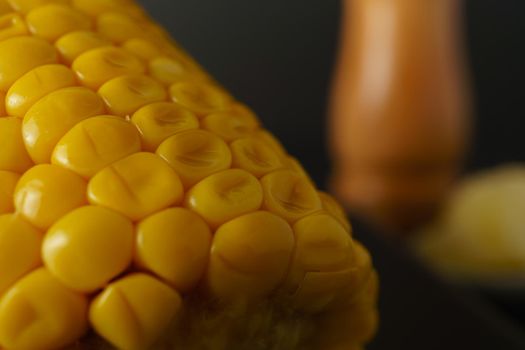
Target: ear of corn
{"points": [[142, 206]]}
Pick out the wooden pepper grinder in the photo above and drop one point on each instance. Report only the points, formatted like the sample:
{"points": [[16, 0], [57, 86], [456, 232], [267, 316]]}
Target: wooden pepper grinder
{"points": [[400, 108]]}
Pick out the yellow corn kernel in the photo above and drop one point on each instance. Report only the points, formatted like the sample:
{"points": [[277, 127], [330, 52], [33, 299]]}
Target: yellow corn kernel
{"points": [[97, 66], [50, 118], [335, 209], [38, 312], [73, 44], [323, 261], [224, 196], [195, 154], [158, 121], [11, 25], [255, 156], [3, 112], [353, 320], [54, 20], [118, 27], [124, 95], [133, 312], [88, 247], [47, 192], [136, 186], [169, 71], [19, 249], [95, 143], [296, 166], [200, 98], [13, 154], [142, 48], [174, 244], [249, 256], [230, 126], [35, 84], [19, 55], [25, 6], [270, 140], [8, 182], [97, 7], [289, 195], [5, 7]]}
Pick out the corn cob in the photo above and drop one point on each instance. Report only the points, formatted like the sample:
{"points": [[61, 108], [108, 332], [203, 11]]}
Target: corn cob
{"points": [[143, 207]]}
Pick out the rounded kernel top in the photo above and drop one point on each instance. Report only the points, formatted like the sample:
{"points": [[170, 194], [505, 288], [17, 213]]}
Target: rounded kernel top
{"points": [[19, 55]]}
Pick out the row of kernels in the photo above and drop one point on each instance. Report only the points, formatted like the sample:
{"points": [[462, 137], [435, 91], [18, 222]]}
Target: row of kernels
{"points": [[104, 150], [250, 255], [59, 192], [40, 312], [98, 61]]}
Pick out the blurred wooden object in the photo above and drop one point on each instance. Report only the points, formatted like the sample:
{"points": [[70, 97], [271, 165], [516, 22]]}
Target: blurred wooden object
{"points": [[400, 108]]}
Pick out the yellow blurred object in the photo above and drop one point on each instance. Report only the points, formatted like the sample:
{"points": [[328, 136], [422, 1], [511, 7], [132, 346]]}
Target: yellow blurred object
{"points": [[143, 207], [479, 237]]}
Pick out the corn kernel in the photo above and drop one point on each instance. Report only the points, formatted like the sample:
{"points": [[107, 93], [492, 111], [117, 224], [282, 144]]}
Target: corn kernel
{"points": [[124, 95], [47, 192], [331, 206], [136, 186], [270, 140], [19, 55], [255, 156], [19, 249], [95, 143], [230, 125], [224, 196], [134, 311], [88, 247], [50, 118], [97, 7], [97, 66], [249, 256], [13, 155], [195, 154], [168, 71], [289, 195], [54, 20], [38, 312], [5, 7], [296, 166], [11, 25], [158, 121], [8, 182], [3, 111], [35, 84], [356, 320], [174, 244], [200, 98], [323, 261], [142, 48], [118, 27], [25, 6], [73, 44]]}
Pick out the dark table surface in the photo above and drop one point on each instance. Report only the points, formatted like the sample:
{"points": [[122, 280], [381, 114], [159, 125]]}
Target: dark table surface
{"points": [[277, 56]]}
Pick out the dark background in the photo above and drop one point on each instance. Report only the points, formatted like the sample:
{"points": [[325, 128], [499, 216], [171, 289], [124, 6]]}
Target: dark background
{"points": [[277, 56]]}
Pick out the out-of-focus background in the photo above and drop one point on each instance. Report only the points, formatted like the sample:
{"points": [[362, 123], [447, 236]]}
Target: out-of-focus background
{"points": [[278, 56]]}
